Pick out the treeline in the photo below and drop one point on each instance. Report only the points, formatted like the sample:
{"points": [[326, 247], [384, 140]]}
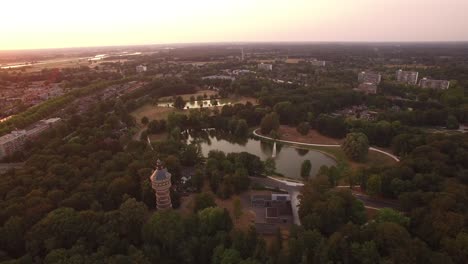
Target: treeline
{"points": [[430, 184], [229, 174]]}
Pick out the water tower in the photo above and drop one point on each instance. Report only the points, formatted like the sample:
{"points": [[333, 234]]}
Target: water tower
{"points": [[161, 183]]}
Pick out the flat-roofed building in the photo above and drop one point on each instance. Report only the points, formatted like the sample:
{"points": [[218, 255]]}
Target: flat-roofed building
{"points": [[407, 77], [318, 63], [10, 143], [265, 67], [41, 126], [141, 68], [14, 141], [434, 84], [219, 77], [369, 77]]}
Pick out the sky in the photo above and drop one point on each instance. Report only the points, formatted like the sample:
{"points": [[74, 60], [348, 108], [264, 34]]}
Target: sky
{"points": [[33, 24]]}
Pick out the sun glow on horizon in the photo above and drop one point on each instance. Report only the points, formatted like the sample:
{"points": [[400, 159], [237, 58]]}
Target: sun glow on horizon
{"points": [[26, 24]]}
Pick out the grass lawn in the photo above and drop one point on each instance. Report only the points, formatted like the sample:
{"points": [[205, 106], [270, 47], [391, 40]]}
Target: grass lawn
{"points": [[153, 112], [374, 158]]}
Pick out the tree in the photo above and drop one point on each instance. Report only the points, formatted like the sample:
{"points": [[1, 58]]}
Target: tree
{"points": [[390, 215], [198, 179], [203, 200], [269, 122], [242, 129], [179, 103], [305, 169], [356, 146], [452, 122], [270, 166], [165, 229], [303, 128], [374, 184], [132, 217], [144, 120], [214, 219], [237, 208]]}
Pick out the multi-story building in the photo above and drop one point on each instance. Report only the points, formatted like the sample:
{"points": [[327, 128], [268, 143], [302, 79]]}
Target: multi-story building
{"points": [[12, 142], [369, 77], [161, 183], [41, 126], [265, 67], [407, 77], [219, 77], [318, 63], [434, 84], [141, 68]]}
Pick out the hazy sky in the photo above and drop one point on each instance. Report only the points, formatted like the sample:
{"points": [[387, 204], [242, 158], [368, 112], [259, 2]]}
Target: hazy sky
{"points": [[26, 24]]}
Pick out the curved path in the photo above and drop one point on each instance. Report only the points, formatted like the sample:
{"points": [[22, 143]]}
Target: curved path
{"points": [[320, 145]]}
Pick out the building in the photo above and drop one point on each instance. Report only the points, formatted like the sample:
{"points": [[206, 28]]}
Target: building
{"points": [[434, 84], [318, 63], [367, 88], [41, 126], [12, 142], [219, 77], [369, 77], [265, 67], [161, 183], [271, 211], [141, 68], [407, 77]]}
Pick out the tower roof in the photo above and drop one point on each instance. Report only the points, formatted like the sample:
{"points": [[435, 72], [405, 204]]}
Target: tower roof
{"points": [[161, 173]]}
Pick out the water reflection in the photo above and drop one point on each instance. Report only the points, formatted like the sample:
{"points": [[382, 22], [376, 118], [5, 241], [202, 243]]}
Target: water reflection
{"points": [[302, 152], [288, 159]]}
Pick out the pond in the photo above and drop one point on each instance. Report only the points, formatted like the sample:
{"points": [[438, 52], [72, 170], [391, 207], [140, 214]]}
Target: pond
{"points": [[199, 104], [288, 158]]}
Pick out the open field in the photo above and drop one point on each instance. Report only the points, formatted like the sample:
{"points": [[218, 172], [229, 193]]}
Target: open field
{"points": [[158, 112], [291, 134], [153, 112]]}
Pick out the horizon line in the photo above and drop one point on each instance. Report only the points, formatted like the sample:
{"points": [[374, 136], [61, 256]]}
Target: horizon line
{"points": [[251, 42]]}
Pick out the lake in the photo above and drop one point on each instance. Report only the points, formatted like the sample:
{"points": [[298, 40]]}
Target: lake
{"points": [[288, 158]]}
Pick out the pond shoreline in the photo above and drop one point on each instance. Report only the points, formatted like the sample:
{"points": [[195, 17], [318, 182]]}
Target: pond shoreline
{"points": [[320, 145]]}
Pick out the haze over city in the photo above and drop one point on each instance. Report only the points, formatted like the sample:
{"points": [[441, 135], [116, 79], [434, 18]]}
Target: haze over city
{"points": [[30, 24]]}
